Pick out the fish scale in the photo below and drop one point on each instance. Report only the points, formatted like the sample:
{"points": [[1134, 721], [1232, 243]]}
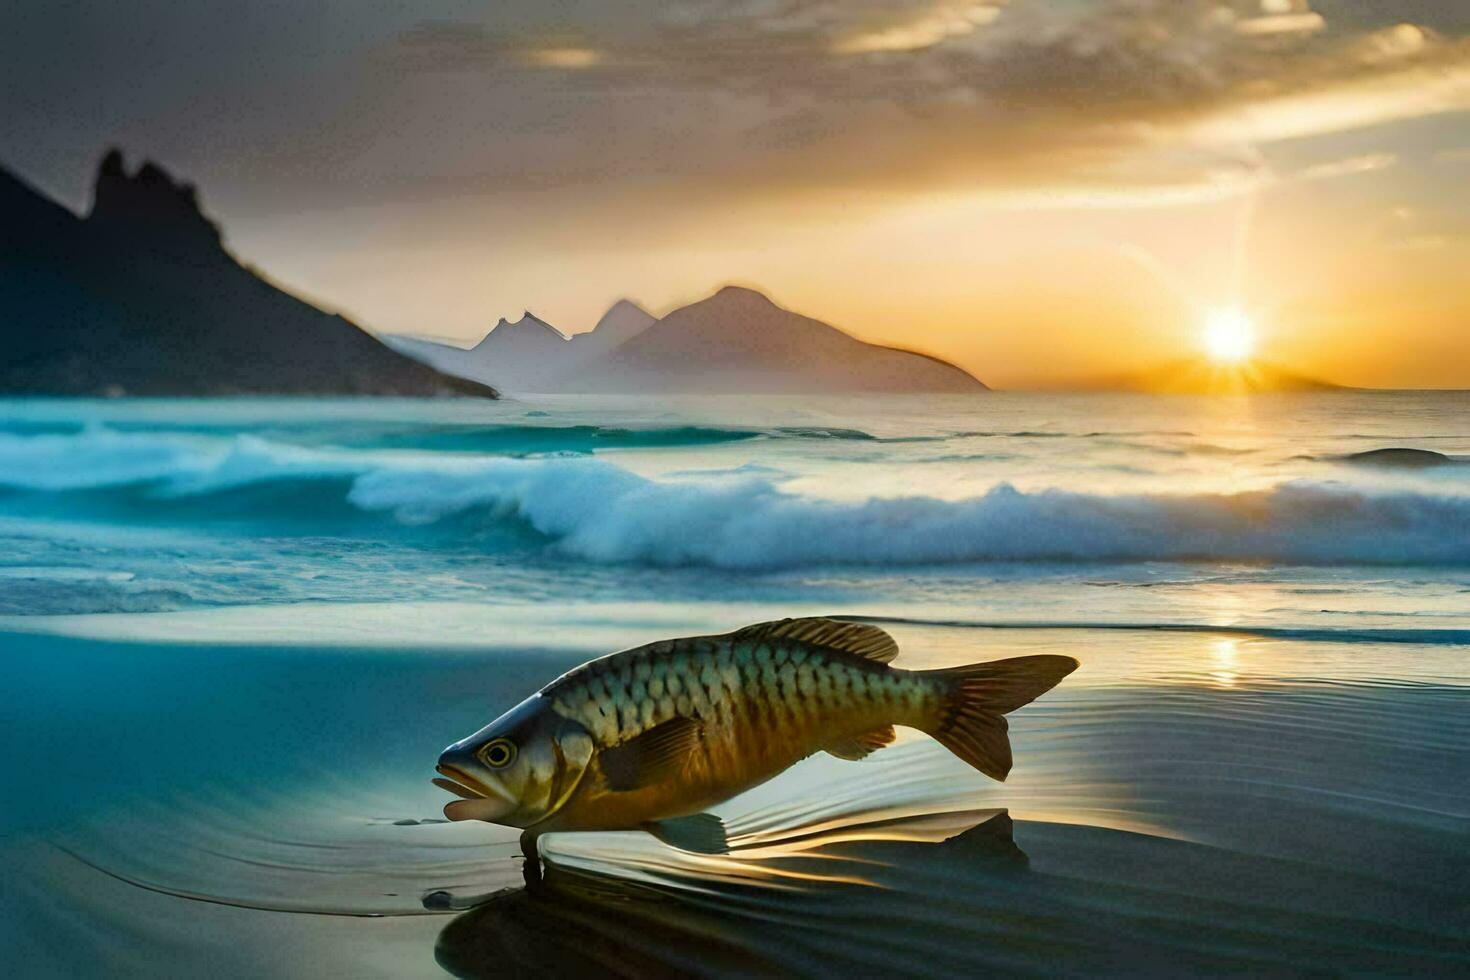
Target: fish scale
{"points": [[667, 729], [792, 685]]}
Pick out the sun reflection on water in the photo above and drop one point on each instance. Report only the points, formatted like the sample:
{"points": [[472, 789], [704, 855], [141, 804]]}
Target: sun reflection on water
{"points": [[1225, 653]]}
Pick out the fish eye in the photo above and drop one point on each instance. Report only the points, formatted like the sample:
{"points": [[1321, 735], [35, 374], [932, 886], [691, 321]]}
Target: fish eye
{"points": [[499, 753]]}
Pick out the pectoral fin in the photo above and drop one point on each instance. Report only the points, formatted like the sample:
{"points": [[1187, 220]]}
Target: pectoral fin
{"points": [[861, 746], [658, 755], [703, 833]]}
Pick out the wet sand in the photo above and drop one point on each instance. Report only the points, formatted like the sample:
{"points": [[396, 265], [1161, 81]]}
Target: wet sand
{"points": [[1189, 801]]}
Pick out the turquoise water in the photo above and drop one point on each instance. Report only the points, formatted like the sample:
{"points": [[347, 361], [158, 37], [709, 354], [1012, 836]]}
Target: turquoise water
{"points": [[239, 631]]}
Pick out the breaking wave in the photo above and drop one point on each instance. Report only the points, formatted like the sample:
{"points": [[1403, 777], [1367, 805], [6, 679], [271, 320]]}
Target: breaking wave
{"points": [[598, 512], [592, 510]]}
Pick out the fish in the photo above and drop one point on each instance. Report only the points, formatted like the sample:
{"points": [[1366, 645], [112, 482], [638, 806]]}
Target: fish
{"points": [[654, 736]]}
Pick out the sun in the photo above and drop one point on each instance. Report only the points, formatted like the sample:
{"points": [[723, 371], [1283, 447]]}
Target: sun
{"points": [[1229, 335]]}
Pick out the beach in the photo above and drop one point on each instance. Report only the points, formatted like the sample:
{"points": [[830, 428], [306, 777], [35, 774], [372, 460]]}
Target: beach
{"points": [[239, 632]]}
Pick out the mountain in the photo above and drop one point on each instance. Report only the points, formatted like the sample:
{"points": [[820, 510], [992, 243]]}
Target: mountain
{"points": [[530, 355], [522, 355], [738, 341], [141, 297], [1201, 377], [623, 321]]}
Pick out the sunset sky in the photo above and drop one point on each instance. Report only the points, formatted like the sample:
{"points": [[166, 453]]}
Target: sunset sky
{"points": [[1039, 191]]}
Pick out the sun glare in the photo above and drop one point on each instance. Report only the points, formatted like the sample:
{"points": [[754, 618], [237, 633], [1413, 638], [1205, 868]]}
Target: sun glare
{"points": [[1229, 335]]}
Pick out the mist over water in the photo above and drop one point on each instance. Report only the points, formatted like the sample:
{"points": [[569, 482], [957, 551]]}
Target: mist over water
{"points": [[239, 632]]}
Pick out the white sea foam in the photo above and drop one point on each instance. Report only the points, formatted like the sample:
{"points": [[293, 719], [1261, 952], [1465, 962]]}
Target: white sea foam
{"points": [[95, 457], [594, 510]]}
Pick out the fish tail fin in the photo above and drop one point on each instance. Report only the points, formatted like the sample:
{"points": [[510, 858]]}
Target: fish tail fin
{"points": [[972, 701]]}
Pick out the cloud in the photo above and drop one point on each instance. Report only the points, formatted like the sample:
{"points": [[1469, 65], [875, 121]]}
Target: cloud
{"points": [[1348, 167], [448, 46], [930, 28], [1026, 92]]}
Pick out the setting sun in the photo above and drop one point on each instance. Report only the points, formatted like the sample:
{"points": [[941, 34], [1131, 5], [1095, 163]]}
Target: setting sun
{"points": [[1229, 335]]}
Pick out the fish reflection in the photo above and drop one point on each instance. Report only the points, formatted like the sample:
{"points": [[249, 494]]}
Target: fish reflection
{"points": [[672, 913]]}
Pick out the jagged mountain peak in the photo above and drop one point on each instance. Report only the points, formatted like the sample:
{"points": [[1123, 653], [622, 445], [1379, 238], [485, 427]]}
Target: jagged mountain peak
{"points": [[140, 297], [736, 340], [150, 197], [529, 329]]}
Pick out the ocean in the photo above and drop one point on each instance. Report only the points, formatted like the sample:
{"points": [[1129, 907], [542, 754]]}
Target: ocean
{"points": [[238, 632]]}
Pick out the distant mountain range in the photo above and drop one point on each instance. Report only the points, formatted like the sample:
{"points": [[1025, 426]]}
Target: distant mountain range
{"points": [[1202, 377], [530, 354], [736, 341], [140, 297]]}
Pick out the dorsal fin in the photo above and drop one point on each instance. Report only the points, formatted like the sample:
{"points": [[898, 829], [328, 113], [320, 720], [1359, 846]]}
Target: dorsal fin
{"points": [[858, 639]]}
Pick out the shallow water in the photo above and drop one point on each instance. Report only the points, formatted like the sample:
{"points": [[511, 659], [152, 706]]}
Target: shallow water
{"points": [[238, 633]]}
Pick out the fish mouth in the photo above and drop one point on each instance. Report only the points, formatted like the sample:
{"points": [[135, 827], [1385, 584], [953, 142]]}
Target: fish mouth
{"points": [[477, 801], [460, 783]]}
